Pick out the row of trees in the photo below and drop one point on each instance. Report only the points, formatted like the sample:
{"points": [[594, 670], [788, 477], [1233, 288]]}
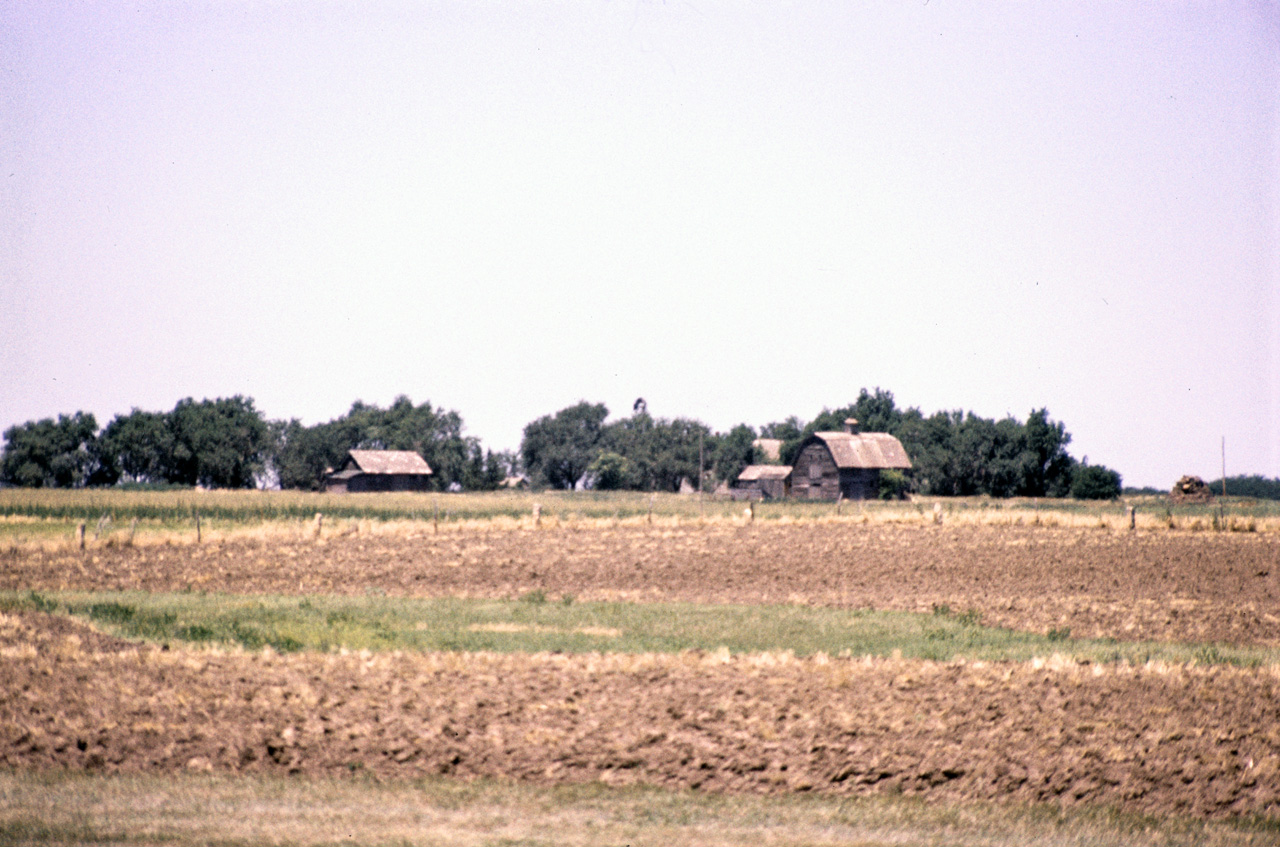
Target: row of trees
{"points": [[228, 443], [639, 452], [952, 453], [458, 461]]}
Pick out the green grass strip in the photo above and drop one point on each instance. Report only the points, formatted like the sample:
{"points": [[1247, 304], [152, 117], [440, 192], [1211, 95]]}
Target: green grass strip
{"points": [[539, 623]]}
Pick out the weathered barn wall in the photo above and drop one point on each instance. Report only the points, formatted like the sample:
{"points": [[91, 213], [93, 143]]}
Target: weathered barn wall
{"points": [[388, 482], [814, 475]]}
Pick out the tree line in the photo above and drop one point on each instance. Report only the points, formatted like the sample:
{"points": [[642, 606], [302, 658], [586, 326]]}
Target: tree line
{"points": [[952, 453], [228, 443]]}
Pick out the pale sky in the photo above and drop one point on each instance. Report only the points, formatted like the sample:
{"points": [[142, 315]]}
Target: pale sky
{"points": [[739, 210]]}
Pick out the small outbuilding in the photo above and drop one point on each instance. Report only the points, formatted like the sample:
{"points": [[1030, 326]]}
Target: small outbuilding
{"points": [[835, 465], [380, 470], [768, 482]]}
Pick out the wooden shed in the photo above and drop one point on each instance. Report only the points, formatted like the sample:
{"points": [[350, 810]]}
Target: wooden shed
{"points": [[763, 481], [380, 470], [835, 465]]}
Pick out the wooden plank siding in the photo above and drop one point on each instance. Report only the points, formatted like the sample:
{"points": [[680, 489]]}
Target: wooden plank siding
{"points": [[835, 465], [814, 475]]}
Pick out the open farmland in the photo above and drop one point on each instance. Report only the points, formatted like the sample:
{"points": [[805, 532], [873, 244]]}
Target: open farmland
{"points": [[1198, 738], [1170, 586]]}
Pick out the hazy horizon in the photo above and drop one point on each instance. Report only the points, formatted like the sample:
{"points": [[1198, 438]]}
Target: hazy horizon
{"points": [[737, 211]]}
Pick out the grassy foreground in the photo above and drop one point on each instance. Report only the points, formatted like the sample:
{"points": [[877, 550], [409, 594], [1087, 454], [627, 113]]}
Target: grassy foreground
{"points": [[64, 809], [537, 623]]}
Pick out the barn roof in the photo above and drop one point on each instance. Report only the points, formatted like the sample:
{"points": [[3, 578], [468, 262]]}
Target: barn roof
{"points": [[771, 447], [751, 473], [389, 462], [863, 449]]}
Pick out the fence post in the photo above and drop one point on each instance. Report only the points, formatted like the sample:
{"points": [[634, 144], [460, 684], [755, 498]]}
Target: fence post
{"points": [[80, 533], [198, 539], [1133, 517]]}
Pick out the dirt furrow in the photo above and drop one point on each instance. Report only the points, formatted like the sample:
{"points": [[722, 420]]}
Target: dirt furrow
{"points": [[1192, 740]]}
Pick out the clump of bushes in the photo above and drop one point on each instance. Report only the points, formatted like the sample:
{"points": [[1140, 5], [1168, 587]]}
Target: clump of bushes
{"points": [[1095, 482]]}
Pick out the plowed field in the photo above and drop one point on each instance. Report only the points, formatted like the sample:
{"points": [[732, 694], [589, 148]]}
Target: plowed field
{"points": [[1197, 740], [1221, 587]]}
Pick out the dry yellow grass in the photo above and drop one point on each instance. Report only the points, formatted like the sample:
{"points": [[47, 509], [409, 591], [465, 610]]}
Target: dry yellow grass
{"points": [[51, 520], [199, 809]]}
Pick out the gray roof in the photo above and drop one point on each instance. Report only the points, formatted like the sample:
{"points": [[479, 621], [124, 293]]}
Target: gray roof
{"points": [[389, 462], [751, 473], [864, 449]]}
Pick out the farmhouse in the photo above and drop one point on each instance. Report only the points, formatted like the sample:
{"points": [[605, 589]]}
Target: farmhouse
{"points": [[835, 465], [380, 470], [763, 481]]}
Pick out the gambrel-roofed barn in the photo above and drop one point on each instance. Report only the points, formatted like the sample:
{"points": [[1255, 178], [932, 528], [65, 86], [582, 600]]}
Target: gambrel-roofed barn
{"points": [[380, 470], [832, 465]]}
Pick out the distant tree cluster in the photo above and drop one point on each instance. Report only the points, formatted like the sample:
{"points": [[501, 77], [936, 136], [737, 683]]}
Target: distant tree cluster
{"points": [[639, 452], [957, 453], [952, 453], [221, 443], [227, 443], [1258, 487], [304, 454], [51, 454]]}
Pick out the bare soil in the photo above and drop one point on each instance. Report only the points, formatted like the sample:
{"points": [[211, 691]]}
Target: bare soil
{"points": [[1203, 741], [1174, 586], [1197, 741]]}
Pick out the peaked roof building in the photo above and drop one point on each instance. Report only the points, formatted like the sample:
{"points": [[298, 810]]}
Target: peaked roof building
{"points": [[380, 470]]}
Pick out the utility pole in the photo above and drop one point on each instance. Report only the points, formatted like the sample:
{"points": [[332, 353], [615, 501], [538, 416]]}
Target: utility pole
{"points": [[699, 464], [1224, 466]]}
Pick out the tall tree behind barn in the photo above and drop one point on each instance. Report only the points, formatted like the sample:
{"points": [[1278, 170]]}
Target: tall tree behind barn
{"points": [[831, 465], [380, 470]]}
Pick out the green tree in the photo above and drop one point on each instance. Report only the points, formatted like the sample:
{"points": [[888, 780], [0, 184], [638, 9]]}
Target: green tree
{"points": [[557, 449], [1045, 465], [609, 471], [51, 453], [304, 454], [138, 446], [733, 451], [893, 484], [1095, 482], [634, 438], [677, 449], [1249, 486], [221, 443]]}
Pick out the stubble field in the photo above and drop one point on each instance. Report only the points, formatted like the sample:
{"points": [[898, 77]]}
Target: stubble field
{"points": [[1199, 739]]}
